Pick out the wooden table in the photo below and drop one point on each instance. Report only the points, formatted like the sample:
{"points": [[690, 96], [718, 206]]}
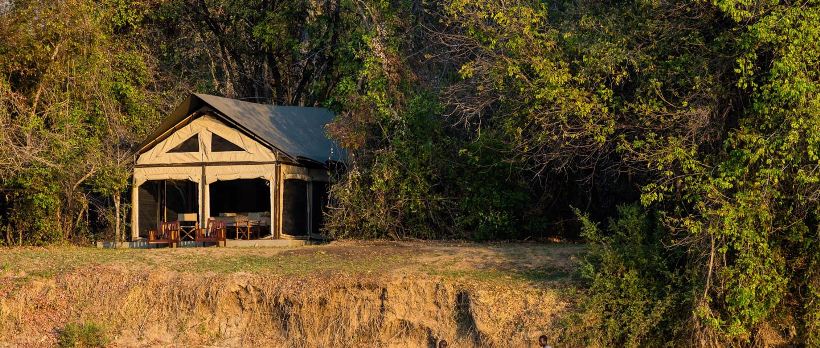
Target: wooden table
{"points": [[240, 221]]}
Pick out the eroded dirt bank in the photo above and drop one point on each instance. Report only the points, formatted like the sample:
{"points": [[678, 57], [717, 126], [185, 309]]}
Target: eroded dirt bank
{"points": [[143, 308], [137, 306]]}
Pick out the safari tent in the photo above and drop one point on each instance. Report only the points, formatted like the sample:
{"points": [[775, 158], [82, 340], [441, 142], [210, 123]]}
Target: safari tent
{"points": [[227, 159]]}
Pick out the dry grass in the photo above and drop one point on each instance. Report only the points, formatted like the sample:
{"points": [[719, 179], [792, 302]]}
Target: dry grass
{"points": [[340, 294], [504, 261]]}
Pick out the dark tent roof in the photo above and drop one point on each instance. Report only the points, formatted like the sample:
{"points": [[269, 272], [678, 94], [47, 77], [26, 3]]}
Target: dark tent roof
{"points": [[297, 131]]}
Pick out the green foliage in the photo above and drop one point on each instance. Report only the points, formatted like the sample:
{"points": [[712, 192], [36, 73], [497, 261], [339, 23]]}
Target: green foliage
{"points": [[75, 99], [400, 185], [711, 108], [760, 193], [36, 203], [411, 173], [87, 334], [494, 201], [635, 284], [286, 52], [392, 188]]}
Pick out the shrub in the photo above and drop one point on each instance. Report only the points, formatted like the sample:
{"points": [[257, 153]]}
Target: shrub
{"points": [[633, 284], [86, 334]]}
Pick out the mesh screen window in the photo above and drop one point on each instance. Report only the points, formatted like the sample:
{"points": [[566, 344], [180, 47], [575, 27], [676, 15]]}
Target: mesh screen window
{"points": [[190, 145], [220, 144]]}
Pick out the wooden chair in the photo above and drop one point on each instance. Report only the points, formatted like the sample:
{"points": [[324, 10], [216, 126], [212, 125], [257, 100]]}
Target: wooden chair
{"points": [[214, 232], [255, 222], [188, 225], [168, 234], [243, 227]]}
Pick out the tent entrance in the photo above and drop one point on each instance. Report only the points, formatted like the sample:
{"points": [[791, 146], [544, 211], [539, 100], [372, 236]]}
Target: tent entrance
{"points": [[303, 207], [242, 201], [165, 200], [295, 208]]}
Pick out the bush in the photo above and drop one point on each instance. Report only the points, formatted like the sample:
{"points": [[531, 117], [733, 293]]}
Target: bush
{"points": [[86, 334], [633, 284]]}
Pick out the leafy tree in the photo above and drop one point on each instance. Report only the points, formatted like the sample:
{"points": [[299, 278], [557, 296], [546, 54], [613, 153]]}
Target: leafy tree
{"points": [[73, 99]]}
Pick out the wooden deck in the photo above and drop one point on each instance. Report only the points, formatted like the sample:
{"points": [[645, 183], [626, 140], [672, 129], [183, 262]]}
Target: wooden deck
{"points": [[143, 244]]}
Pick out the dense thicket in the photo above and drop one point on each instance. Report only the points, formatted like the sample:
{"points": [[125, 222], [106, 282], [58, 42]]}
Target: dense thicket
{"points": [[689, 130]]}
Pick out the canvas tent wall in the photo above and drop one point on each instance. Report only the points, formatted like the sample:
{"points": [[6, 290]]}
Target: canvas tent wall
{"points": [[210, 139]]}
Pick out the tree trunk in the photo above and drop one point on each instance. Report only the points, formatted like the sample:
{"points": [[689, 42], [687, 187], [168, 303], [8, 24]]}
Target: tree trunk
{"points": [[117, 231]]}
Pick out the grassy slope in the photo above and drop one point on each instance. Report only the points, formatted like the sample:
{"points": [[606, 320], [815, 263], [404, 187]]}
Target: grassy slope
{"points": [[530, 263]]}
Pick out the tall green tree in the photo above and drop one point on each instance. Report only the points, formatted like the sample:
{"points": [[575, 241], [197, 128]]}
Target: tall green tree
{"points": [[270, 51], [74, 98]]}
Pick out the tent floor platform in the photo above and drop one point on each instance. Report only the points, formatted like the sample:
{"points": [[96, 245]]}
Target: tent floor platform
{"points": [[230, 243]]}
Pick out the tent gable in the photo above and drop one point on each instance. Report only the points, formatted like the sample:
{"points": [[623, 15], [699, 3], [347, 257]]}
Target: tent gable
{"points": [[297, 131], [194, 143]]}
